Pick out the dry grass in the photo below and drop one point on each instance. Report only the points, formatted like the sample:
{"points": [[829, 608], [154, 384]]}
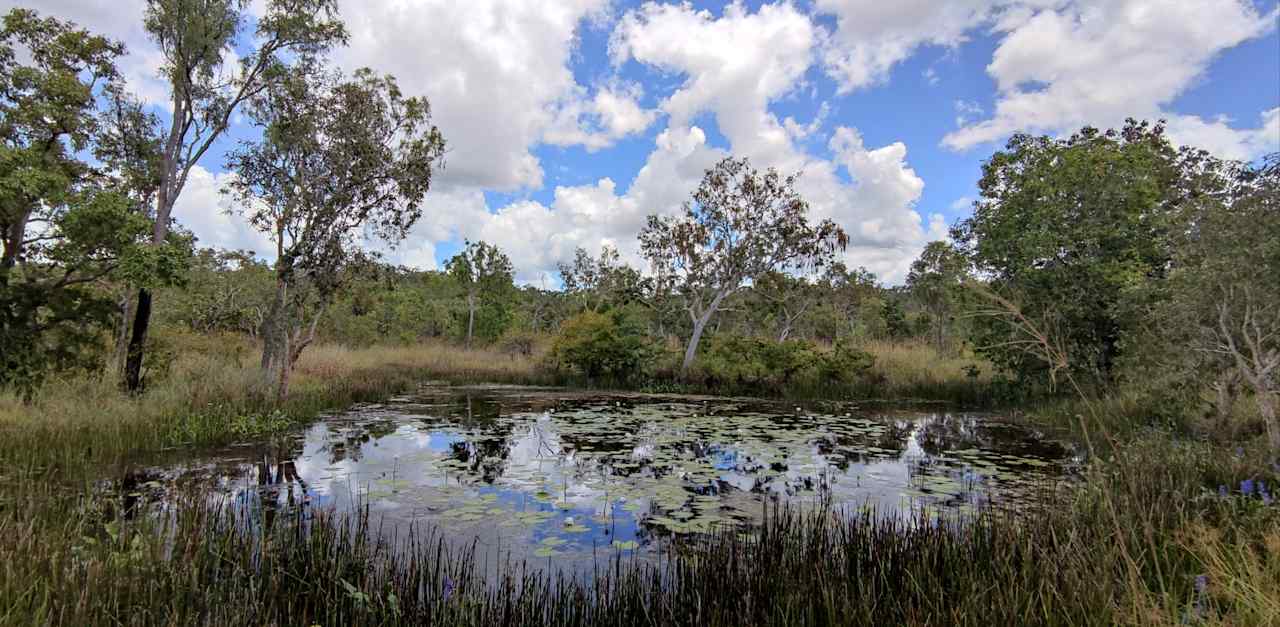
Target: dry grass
{"points": [[210, 392], [918, 364], [324, 363]]}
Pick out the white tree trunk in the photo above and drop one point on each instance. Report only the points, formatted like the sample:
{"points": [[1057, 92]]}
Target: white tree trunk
{"points": [[699, 325], [471, 317]]}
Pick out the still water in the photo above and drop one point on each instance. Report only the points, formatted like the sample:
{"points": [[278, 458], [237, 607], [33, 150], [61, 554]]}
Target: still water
{"points": [[563, 477]]}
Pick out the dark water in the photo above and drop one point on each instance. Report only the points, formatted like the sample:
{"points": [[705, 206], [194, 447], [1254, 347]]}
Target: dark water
{"points": [[560, 477]]}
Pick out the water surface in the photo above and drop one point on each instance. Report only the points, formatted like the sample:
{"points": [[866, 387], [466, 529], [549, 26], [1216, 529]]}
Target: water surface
{"points": [[564, 477]]}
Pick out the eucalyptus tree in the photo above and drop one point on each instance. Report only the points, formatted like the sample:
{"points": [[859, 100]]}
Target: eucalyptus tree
{"points": [[197, 41], [339, 159], [740, 224], [601, 281], [64, 224], [936, 281], [485, 274], [784, 299], [847, 295]]}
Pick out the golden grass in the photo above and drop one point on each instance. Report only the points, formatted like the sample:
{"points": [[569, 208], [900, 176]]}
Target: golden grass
{"points": [[911, 364], [211, 393]]}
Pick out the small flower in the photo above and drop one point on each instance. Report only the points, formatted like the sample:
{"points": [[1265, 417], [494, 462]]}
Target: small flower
{"points": [[1202, 582], [1239, 451], [448, 588], [1246, 487], [1222, 491]]}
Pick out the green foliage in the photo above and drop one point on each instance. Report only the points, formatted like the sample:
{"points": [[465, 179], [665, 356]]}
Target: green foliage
{"points": [[601, 282], [222, 291], [484, 272], [895, 319], [755, 361], [936, 283], [65, 226], [740, 224], [1069, 229], [611, 345], [844, 364]]}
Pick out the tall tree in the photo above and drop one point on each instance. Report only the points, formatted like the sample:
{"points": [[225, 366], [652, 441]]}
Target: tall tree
{"points": [[64, 224], [785, 299], [484, 272], [936, 281], [196, 39], [1076, 225], [1222, 299], [601, 281], [741, 224], [338, 158]]}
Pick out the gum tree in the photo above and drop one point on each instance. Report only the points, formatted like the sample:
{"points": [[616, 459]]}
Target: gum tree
{"points": [[339, 158], [602, 281], [484, 272], [197, 39], [1223, 294], [936, 281], [740, 224]]}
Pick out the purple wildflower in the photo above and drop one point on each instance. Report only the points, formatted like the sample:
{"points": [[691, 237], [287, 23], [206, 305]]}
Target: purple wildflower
{"points": [[1246, 487], [1202, 582], [448, 588], [1222, 491]]}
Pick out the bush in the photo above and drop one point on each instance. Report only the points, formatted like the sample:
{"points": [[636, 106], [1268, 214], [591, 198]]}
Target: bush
{"points": [[611, 345], [522, 343], [844, 364], [756, 361], [759, 361]]}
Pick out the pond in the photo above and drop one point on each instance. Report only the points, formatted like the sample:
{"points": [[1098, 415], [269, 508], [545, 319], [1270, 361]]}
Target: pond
{"points": [[563, 477]]}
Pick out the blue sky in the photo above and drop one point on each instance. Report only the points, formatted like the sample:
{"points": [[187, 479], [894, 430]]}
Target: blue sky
{"points": [[570, 120]]}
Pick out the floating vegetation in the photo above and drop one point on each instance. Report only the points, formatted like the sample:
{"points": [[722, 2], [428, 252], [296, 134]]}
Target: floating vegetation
{"points": [[510, 467]]}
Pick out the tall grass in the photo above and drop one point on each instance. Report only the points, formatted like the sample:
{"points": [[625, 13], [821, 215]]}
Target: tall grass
{"points": [[78, 427]]}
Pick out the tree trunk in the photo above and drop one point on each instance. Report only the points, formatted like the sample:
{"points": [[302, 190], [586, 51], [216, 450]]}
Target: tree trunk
{"points": [[142, 317], [699, 324], [13, 239], [692, 348], [1267, 407], [296, 345], [275, 339], [122, 333], [471, 317], [137, 339]]}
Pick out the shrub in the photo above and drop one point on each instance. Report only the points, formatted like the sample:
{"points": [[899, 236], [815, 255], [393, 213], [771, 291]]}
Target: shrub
{"points": [[844, 364], [611, 344], [523, 343], [759, 361]]}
